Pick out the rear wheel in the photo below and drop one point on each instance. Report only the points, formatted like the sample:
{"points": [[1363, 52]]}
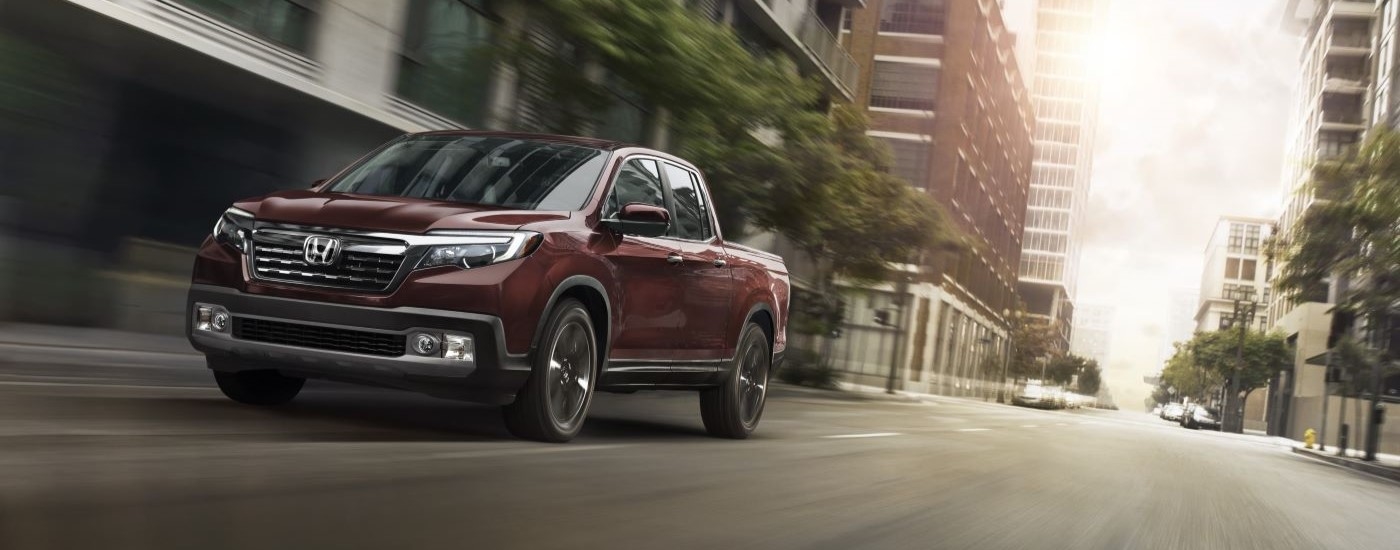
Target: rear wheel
{"points": [[259, 387], [554, 402], [732, 410]]}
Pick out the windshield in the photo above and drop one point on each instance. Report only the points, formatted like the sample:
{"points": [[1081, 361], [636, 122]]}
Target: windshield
{"points": [[495, 171]]}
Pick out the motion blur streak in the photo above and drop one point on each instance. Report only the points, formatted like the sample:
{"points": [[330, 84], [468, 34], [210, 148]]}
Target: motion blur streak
{"points": [[142, 454]]}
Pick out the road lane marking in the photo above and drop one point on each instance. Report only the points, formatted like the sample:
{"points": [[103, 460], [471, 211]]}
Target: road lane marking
{"points": [[533, 450], [854, 436], [91, 385], [974, 429], [1030, 426]]}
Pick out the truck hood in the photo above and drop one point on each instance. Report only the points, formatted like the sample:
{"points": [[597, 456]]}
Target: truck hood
{"points": [[393, 214]]}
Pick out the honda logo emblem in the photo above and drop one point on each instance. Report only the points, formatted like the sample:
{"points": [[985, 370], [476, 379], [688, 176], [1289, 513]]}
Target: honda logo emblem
{"points": [[321, 250]]}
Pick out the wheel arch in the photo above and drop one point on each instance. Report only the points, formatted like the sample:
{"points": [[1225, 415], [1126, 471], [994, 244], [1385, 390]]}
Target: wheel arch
{"points": [[594, 297]]}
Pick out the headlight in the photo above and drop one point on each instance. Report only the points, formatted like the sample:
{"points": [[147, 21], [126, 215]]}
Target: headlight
{"points": [[233, 228], [479, 249]]}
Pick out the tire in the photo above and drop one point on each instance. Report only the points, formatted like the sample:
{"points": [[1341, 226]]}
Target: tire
{"points": [[554, 402], [733, 409], [265, 388]]}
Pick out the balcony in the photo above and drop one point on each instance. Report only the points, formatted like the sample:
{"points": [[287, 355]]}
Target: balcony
{"points": [[1345, 82], [820, 41], [800, 29]]}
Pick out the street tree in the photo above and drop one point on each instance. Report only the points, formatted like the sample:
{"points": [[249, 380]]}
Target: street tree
{"points": [[1090, 379], [1033, 344], [1350, 233], [1202, 365], [775, 160], [1062, 370]]}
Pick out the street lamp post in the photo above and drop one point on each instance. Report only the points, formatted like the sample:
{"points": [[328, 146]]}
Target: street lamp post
{"points": [[1010, 348], [1244, 316]]}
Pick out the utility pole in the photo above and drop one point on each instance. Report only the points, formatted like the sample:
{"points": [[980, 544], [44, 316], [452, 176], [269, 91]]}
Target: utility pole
{"points": [[1244, 316], [1373, 429], [1010, 349], [901, 288], [1326, 391]]}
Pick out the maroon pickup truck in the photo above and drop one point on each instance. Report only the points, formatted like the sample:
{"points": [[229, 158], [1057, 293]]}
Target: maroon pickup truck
{"points": [[526, 271]]}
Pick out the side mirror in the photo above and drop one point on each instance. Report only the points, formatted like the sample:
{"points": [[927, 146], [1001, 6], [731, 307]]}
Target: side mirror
{"points": [[642, 220], [318, 183]]}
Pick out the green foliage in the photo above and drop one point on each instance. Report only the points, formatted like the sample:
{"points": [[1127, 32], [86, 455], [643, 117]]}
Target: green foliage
{"points": [[1201, 365], [753, 125], [1063, 370], [1351, 231], [1033, 343], [833, 197], [805, 368], [1090, 379], [815, 313], [696, 68]]}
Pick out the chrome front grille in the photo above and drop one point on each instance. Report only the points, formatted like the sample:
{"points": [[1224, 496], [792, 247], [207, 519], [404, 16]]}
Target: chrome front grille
{"points": [[362, 264]]}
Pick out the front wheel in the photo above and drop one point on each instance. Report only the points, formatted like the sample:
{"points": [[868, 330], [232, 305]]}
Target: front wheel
{"points": [[732, 410], [552, 405]]}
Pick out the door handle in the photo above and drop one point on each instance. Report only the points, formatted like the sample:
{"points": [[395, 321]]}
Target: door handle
{"points": [[719, 262], [673, 258]]}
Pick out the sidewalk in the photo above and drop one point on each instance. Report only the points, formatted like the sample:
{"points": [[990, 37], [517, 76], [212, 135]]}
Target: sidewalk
{"points": [[1386, 466]]}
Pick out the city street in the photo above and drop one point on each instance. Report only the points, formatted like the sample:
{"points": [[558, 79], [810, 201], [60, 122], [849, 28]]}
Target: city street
{"points": [[109, 449]]}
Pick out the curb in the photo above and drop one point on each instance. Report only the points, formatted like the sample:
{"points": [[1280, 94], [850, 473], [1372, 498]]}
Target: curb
{"points": [[1377, 470]]}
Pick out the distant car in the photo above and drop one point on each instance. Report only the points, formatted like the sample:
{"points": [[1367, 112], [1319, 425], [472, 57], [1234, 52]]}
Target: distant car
{"points": [[1197, 416], [1172, 411], [1036, 395], [1157, 409]]}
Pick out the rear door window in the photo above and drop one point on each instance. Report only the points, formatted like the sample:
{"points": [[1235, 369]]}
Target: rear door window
{"points": [[692, 215]]}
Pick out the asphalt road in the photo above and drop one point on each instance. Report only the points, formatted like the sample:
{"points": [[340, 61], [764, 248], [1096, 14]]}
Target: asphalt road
{"points": [[106, 450]]}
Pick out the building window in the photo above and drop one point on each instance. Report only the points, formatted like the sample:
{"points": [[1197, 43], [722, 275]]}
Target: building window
{"points": [[284, 22], [1240, 269], [446, 63], [910, 161], [904, 86], [1334, 144], [914, 16]]}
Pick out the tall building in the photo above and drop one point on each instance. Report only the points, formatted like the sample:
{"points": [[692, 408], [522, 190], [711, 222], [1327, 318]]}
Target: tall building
{"points": [[1330, 112], [1235, 270], [1065, 95], [1330, 116], [942, 86], [156, 114], [1093, 331]]}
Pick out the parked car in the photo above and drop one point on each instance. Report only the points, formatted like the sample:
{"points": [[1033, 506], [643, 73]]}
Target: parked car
{"points": [[526, 271], [1172, 411], [1197, 416], [1038, 396]]}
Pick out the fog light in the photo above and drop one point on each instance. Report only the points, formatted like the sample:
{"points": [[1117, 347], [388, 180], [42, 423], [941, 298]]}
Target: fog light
{"points": [[425, 344], [220, 322], [457, 347], [202, 320]]}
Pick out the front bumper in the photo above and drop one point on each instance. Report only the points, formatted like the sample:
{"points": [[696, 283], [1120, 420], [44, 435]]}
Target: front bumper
{"points": [[492, 376]]}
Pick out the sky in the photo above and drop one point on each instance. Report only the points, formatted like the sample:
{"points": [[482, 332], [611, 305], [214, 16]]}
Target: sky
{"points": [[1192, 122]]}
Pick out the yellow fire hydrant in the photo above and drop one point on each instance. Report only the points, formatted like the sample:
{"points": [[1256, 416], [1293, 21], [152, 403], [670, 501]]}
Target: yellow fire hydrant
{"points": [[1309, 437]]}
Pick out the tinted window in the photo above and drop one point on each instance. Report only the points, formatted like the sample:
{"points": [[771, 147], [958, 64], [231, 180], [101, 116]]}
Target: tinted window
{"points": [[692, 216], [494, 171], [638, 181]]}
